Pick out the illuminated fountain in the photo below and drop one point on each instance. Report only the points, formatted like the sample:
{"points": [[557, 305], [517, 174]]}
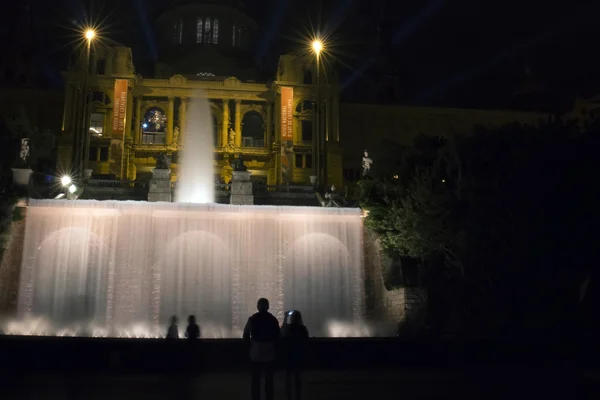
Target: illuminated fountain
{"points": [[109, 268], [196, 183]]}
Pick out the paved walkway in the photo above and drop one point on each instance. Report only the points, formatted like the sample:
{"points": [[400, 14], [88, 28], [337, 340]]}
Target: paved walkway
{"points": [[326, 385]]}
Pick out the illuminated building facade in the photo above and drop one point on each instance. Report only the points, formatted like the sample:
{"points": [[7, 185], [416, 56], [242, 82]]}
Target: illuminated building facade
{"points": [[204, 50]]}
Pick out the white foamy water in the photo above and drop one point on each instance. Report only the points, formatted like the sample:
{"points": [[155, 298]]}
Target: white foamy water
{"points": [[195, 180], [123, 268]]}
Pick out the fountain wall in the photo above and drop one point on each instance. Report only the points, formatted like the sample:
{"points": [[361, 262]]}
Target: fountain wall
{"points": [[117, 265]]}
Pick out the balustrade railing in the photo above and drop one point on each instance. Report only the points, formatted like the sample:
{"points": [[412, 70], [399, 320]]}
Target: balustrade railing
{"points": [[116, 184]]}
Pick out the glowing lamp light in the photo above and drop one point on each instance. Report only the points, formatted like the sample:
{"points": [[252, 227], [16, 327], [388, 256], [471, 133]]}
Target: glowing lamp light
{"points": [[317, 46], [72, 189], [144, 125], [65, 180], [90, 34]]}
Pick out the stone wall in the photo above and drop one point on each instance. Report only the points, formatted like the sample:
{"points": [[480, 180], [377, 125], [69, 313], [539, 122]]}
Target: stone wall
{"points": [[10, 267], [387, 308]]}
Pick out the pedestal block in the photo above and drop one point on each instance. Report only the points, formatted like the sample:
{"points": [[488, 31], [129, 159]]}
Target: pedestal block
{"points": [[160, 185], [241, 188]]}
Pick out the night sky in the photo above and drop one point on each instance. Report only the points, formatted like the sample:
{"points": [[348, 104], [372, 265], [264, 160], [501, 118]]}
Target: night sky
{"points": [[467, 53]]}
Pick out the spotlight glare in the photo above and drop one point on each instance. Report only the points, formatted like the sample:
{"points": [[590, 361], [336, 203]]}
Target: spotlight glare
{"points": [[72, 189], [90, 34], [65, 180]]}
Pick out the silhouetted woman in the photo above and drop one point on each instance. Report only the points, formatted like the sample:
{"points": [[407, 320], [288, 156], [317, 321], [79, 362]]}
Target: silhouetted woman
{"points": [[173, 332], [193, 330], [295, 336]]}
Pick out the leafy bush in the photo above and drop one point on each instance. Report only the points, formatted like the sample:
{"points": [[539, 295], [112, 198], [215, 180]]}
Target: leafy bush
{"points": [[476, 210]]}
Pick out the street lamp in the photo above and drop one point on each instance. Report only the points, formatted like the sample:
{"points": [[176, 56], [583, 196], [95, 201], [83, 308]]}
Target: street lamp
{"points": [[84, 146], [65, 181], [317, 47], [320, 162]]}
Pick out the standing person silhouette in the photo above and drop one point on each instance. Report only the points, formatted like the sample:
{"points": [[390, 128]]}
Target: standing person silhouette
{"points": [[173, 332], [295, 338], [192, 333], [262, 331]]}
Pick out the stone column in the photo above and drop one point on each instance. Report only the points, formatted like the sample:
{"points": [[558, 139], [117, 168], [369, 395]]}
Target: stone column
{"points": [[327, 116], [238, 123], [170, 118], [225, 126], [269, 123], [182, 118], [129, 112], [336, 117], [137, 135]]}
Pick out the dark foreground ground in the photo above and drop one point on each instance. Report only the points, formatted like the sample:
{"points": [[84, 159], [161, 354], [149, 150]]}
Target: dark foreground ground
{"points": [[45, 368]]}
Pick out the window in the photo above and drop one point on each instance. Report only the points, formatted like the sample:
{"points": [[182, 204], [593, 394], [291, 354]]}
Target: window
{"points": [[253, 130], [207, 27], [307, 77], [153, 126], [97, 124], [199, 30], [298, 161], [233, 34], [103, 153], [98, 96], [236, 35], [307, 130], [304, 106], [101, 97], [178, 31], [93, 153], [215, 32], [308, 161]]}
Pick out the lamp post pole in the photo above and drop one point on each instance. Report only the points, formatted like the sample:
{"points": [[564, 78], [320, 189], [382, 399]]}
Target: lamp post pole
{"points": [[317, 156], [319, 161], [85, 120]]}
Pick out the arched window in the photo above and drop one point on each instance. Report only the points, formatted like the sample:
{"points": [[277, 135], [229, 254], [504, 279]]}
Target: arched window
{"points": [[178, 31], [253, 130], [207, 30], [153, 126], [199, 30], [215, 32], [304, 107], [236, 35], [101, 97]]}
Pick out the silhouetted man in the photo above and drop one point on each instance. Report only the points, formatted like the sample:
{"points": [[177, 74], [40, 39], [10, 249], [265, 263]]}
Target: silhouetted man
{"points": [[262, 330]]}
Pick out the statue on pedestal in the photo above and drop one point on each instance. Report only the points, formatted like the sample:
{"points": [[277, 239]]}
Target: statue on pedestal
{"points": [[162, 161], [176, 136], [231, 137], [238, 164], [366, 163], [24, 153]]}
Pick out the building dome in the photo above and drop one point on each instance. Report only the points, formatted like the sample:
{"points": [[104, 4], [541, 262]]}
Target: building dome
{"points": [[204, 36]]}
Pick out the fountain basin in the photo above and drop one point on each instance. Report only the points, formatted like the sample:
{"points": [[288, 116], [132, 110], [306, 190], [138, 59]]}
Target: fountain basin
{"points": [[116, 264]]}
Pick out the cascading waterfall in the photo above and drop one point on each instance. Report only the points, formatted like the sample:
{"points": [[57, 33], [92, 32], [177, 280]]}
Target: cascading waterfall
{"points": [[123, 268]]}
